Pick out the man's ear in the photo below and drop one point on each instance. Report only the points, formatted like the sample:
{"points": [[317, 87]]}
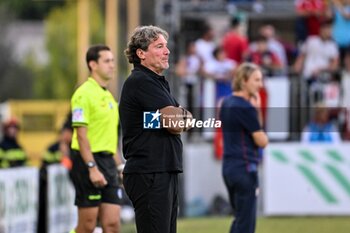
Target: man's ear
{"points": [[140, 53], [92, 64]]}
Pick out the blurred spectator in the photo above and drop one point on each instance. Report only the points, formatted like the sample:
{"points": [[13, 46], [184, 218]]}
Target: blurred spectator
{"points": [[56, 151], [321, 129], [319, 55], [204, 49], [311, 13], [234, 43], [265, 58], [341, 26], [205, 44], [11, 153], [221, 71], [345, 83], [345, 80], [188, 69], [274, 45]]}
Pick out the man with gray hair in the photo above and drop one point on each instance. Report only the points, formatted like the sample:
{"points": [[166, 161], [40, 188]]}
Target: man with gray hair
{"points": [[152, 121]]}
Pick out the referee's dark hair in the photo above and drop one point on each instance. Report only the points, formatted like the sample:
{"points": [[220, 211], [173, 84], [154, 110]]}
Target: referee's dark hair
{"points": [[93, 53]]}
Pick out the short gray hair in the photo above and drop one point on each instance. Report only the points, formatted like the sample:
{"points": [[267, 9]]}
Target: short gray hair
{"points": [[141, 38]]}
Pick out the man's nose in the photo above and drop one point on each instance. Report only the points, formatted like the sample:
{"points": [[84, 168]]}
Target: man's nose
{"points": [[167, 51]]}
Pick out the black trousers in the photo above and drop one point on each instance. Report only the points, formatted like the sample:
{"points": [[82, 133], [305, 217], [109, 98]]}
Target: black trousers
{"points": [[155, 200], [242, 188]]}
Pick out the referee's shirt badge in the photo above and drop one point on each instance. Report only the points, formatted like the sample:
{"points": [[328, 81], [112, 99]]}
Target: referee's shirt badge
{"points": [[78, 115]]}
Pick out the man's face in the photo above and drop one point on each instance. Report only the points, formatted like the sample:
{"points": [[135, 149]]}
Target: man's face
{"points": [[11, 132], [254, 83], [156, 58], [104, 66], [326, 32], [262, 46]]}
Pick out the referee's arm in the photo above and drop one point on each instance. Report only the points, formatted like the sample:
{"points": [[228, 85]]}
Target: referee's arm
{"points": [[96, 176]]}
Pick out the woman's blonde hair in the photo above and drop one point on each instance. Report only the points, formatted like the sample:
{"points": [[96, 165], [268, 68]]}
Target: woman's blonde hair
{"points": [[243, 72]]}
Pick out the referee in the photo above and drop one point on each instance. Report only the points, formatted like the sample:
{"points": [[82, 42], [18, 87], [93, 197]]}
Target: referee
{"points": [[94, 145]]}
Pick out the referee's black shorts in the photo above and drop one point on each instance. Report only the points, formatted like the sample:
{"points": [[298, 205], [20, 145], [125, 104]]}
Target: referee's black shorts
{"points": [[86, 194], [155, 199]]}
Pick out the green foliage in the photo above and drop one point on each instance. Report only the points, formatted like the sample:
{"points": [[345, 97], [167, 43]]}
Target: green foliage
{"points": [[58, 79], [31, 9]]}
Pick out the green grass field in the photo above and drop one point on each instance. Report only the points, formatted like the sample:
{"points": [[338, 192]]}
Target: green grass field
{"points": [[264, 225]]}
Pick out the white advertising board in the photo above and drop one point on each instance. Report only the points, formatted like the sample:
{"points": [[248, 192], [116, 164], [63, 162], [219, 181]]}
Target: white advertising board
{"points": [[277, 119], [306, 179], [62, 214], [19, 200]]}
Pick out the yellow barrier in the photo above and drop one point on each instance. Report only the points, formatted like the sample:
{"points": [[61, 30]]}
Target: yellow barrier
{"points": [[40, 122]]}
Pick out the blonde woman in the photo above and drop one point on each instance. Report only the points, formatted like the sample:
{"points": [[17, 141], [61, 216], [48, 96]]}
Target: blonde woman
{"points": [[243, 135]]}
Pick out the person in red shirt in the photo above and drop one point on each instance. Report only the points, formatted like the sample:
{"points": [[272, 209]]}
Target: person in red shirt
{"points": [[311, 14], [234, 43], [266, 59]]}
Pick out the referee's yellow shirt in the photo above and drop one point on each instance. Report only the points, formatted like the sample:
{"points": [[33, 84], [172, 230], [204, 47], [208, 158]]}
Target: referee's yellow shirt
{"points": [[95, 108]]}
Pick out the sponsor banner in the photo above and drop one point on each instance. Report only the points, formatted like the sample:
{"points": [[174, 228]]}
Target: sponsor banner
{"points": [[61, 213], [19, 200], [306, 179]]}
